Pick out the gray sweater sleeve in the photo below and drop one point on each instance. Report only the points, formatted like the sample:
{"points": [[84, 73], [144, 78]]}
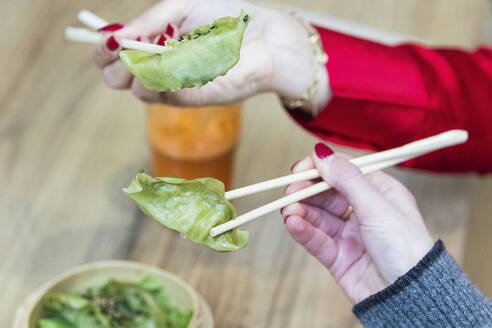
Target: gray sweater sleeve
{"points": [[434, 293]]}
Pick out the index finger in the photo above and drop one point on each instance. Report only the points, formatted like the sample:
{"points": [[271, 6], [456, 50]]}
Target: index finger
{"points": [[349, 181]]}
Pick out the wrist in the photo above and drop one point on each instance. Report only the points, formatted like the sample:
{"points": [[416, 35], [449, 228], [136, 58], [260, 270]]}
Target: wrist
{"points": [[299, 75]]}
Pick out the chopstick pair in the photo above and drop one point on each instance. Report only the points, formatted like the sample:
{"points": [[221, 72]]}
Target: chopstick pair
{"points": [[95, 22], [369, 163]]}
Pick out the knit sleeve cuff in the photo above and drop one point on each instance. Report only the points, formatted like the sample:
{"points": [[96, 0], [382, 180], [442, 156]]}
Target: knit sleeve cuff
{"points": [[434, 293]]}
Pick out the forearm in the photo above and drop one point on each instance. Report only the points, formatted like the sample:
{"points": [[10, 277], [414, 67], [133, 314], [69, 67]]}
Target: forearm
{"points": [[435, 293], [387, 96]]}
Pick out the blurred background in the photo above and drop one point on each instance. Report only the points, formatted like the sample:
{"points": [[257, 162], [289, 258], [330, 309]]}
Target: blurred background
{"points": [[69, 144]]}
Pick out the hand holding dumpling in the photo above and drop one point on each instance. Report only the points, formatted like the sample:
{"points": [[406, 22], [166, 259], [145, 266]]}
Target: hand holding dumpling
{"points": [[273, 41]]}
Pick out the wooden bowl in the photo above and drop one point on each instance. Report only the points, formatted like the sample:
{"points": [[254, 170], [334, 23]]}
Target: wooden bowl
{"points": [[183, 295]]}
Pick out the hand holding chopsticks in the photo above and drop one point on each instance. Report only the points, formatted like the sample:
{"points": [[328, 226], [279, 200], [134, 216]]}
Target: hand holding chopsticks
{"points": [[368, 164], [78, 34]]}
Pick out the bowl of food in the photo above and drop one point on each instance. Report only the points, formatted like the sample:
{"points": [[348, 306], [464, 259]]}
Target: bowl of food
{"points": [[114, 294]]}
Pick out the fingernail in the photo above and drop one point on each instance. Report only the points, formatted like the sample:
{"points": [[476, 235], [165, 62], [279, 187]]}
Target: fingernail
{"points": [[112, 44], [111, 27], [294, 165], [170, 30], [162, 40], [322, 150], [138, 39]]}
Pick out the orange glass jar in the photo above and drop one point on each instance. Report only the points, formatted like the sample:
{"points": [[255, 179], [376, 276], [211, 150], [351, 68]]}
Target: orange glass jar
{"points": [[193, 142]]}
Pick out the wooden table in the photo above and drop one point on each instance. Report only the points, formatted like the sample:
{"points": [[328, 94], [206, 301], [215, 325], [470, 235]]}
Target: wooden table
{"points": [[68, 144]]}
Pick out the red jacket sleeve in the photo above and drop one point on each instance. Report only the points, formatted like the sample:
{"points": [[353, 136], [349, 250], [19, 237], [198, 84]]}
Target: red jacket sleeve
{"points": [[385, 96]]}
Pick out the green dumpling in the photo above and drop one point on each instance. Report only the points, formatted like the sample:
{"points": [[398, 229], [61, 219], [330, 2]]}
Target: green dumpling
{"points": [[192, 207], [193, 60]]}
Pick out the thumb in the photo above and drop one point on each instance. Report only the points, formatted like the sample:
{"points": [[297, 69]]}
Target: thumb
{"points": [[348, 179]]}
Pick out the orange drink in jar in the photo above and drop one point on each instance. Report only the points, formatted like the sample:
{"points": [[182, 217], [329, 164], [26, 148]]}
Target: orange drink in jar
{"points": [[193, 142]]}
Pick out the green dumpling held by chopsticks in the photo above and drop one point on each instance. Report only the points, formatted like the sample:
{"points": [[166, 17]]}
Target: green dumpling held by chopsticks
{"points": [[193, 60], [192, 207]]}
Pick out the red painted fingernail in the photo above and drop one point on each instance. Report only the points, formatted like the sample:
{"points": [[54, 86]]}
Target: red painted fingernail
{"points": [[139, 38], [170, 30], [112, 44], [111, 28], [162, 40], [322, 150], [294, 165]]}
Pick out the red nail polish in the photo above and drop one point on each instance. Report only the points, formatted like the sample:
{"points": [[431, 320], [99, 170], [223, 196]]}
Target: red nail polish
{"points": [[111, 28], [139, 39], [162, 40], [322, 150], [170, 30], [294, 165], [112, 44]]}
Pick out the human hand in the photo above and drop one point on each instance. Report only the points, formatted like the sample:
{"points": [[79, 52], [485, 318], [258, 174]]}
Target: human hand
{"points": [[384, 237], [275, 55]]}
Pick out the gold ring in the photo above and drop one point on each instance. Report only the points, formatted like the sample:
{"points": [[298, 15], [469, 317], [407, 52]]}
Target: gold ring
{"points": [[346, 215]]}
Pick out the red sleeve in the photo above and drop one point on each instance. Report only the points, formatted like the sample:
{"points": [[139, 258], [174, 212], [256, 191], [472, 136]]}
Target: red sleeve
{"points": [[385, 96]]}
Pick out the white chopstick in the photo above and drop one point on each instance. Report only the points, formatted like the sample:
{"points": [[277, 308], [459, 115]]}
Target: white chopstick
{"points": [[414, 149], [78, 34], [293, 198], [91, 20], [407, 152]]}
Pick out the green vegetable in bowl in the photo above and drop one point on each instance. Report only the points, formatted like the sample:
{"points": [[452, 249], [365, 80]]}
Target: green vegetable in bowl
{"points": [[193, 60], [114, 304], [192, 207]]}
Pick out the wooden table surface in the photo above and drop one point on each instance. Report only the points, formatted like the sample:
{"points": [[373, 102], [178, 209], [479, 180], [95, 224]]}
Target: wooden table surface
{"points": [[68, 144]]}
